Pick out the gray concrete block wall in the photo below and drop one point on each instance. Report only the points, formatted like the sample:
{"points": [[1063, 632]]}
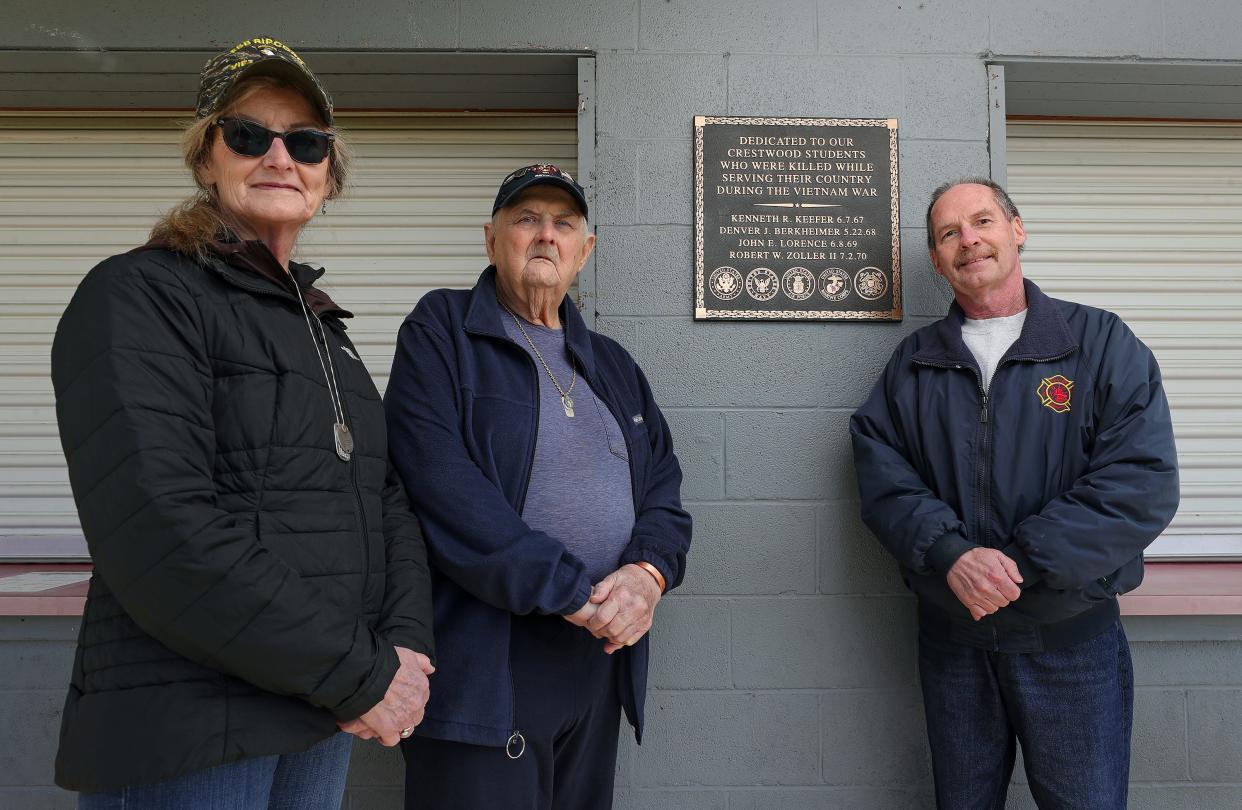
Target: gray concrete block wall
{"points": [[784, 671], [35, 658]]}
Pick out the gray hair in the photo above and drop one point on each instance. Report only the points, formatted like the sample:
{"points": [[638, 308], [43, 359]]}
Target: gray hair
{"points": [[1003, 201]]}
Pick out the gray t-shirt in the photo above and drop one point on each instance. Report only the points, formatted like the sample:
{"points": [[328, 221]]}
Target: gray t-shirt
{"points": [[579, 490], [989, 338]]}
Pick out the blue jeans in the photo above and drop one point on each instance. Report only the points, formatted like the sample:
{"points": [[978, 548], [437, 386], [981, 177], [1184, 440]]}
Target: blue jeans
{"points": [[1071, 710], [311, 780]]}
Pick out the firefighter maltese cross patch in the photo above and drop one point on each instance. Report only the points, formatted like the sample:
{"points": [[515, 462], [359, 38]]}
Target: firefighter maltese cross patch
{"points": [[1054, 392]]}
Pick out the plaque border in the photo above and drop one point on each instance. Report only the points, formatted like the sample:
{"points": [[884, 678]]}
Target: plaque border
{"points": [[702, 313]]}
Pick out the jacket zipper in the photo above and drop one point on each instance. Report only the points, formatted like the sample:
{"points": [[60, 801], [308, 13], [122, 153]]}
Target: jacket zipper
{"points": [[983, 493], [983, 479], [982, 460], [516, 741]]}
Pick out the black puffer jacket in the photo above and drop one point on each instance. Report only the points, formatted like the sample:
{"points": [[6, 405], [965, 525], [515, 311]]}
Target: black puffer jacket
{"points": [[249, 585]]}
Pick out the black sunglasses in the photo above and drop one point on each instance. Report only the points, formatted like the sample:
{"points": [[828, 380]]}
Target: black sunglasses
{"points": [[249, 139]]}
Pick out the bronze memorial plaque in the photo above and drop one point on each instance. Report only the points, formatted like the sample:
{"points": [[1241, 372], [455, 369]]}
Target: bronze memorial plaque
{"points": [[796, 219]]}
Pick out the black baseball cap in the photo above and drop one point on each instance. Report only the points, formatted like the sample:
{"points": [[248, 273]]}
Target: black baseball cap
{"points": [[535, 174], [258, 56]]}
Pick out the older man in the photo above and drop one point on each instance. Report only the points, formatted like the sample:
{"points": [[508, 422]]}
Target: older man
{"points": [[545, 480], [1016, 458]]}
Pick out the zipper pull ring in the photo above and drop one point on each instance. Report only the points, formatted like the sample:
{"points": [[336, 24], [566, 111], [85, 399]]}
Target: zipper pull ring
{"points": [[516, 742]]}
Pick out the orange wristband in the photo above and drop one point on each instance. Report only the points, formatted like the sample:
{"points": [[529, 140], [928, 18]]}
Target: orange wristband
{"points": [[655, 572]]}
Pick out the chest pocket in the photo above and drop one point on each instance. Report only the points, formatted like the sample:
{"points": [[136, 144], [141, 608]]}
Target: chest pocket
{"points": [[616, 441]]}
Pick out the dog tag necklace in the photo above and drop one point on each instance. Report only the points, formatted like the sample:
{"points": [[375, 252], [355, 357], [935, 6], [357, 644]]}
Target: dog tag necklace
{"points": [[566, 401], [341, 437]]}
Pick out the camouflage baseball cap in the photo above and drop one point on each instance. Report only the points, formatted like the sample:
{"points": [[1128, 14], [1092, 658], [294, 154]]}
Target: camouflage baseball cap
{"points": [[258, 56]]}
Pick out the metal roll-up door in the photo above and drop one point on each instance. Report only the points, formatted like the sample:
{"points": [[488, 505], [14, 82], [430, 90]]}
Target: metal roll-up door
{"points": [[76, 188], [1146, 220]]}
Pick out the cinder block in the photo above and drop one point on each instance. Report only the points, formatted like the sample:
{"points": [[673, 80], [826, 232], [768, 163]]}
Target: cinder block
{"points": [[1019, 798], [824, 642], [1212, 629], [851, 560], [666, 182], [35, 664], [1158, 744], [387, 24], [639, 799], [937, 26], [626, 747], [372, 765], [550, 25], [874, 737], [38, 799], [925, 294], [1187, 663], [1185, 797], [616, 177], [1215, 744], [788, 455], [657, 96], [40, 628], [945, 98], [1019, 774], [826, 87], [690, 644], [732, 26], [729, 738], [417, 25], [698, 437], [927, 164], [625, 332], [752, 549], [1106, 28], [1210, 32], [28, 762], [644, 270], [375, 798], [825, 798], [799, 365]]}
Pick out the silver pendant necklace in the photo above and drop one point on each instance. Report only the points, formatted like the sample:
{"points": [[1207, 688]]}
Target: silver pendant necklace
{"points": [[567, 402], [341, 437]]}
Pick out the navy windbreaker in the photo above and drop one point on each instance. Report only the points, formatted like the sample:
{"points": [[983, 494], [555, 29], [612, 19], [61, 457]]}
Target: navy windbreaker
{"points": [[1067, 464], [462, 407]]}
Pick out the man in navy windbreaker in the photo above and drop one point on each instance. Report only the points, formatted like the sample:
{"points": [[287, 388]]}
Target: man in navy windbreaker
{"points": [[1016, 458], [544, 478]]}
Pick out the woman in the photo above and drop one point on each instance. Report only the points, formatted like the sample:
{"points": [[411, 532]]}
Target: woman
{"points": [[259, 582]]}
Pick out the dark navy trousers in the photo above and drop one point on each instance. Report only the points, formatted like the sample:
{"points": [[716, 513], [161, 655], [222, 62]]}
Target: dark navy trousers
{"points": [[568, 710], [1070, 709]]}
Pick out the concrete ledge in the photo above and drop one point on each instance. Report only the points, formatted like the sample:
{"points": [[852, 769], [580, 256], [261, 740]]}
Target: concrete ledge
{"points": [[67, 600], [1187, 589], [1168, 589]]}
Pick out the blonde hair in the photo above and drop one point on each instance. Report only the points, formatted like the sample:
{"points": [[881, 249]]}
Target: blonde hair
{"points": [[197, 220]]}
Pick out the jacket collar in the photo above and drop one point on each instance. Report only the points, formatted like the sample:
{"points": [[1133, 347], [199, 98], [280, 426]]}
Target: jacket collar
{"points": [[251, 266], [484, 317], [1045, 334]]}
